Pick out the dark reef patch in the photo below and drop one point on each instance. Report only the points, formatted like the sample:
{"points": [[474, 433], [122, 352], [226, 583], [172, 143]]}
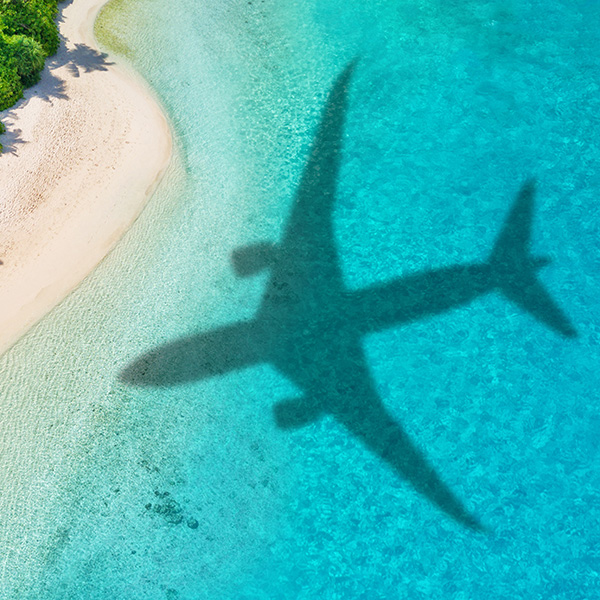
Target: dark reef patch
{"points": [[170, 510]]}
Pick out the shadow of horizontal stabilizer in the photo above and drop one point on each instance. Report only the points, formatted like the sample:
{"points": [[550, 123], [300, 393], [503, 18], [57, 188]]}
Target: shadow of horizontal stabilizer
{"points": [[310, 327]]}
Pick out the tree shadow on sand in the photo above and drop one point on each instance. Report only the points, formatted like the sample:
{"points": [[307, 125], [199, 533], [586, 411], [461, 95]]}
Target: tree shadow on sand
{"points": [[50, 88], [11, 139], [310, 326], [81, 59], [78, 60]]}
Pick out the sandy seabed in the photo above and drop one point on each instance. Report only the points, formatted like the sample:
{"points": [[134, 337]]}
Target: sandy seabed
{"points": [[84, 151]]}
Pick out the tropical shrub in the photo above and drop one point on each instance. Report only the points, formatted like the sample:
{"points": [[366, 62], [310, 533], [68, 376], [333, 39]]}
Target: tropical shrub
{"points": [[11, 86], [28, 34], [32, 18], [26, 56]]}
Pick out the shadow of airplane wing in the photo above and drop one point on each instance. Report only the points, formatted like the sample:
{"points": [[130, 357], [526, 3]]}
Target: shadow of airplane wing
{"points": [[345, 391], [308, 245], [373, 425], [197, 357]]}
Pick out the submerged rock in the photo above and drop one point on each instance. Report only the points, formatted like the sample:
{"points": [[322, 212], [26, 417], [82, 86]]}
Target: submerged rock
{"points": [[170, 510]]}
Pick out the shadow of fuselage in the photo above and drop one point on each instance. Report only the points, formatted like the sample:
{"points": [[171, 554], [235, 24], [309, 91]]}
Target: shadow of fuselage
{"points": [[310, 326]]}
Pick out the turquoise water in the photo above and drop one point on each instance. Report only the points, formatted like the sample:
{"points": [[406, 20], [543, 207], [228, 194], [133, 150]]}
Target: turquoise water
{"points": [[191, 491]]}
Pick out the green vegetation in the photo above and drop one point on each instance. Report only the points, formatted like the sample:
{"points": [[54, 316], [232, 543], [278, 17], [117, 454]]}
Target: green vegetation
{"points": [[28, 34]]}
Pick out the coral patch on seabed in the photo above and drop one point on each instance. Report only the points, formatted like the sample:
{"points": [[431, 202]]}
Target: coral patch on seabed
{"points": [[170, 510]]}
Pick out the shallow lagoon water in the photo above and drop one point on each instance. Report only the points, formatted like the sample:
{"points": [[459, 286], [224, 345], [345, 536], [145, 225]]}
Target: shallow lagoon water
{"points": [[451, 108]]}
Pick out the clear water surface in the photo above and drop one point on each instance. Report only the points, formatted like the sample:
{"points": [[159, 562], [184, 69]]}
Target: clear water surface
{"points": [[191, 491]]}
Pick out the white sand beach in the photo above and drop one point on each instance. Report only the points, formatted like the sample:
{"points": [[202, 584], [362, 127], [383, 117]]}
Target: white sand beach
{"points": [[83, 152]]}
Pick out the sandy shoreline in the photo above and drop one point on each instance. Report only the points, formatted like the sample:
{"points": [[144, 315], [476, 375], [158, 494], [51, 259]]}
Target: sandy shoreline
{"points": [[84, 151]]}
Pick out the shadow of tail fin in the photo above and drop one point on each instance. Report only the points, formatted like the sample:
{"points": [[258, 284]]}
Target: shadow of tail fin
{"points": [[513, 242], [515, 269]]}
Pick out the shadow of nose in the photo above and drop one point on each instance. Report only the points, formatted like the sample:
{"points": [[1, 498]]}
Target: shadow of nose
{"points": [[144, 372], [134, 374]]}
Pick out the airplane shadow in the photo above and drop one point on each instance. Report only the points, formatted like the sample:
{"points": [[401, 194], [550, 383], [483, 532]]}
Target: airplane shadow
{"points": [[310, 326]]}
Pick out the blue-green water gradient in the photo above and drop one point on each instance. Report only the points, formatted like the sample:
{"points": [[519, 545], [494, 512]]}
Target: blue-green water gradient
{"points": [[191, 492]]}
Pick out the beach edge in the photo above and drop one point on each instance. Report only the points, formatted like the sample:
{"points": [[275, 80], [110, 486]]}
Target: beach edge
{"points": [[49, 250]]}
